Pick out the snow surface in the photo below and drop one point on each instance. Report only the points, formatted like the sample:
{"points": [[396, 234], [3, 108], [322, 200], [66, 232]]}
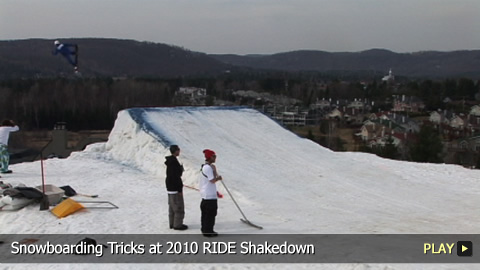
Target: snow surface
{"points": [[282, 182]]}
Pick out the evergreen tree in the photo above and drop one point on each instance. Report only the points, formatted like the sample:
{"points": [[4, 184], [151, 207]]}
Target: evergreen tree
{"points": [[310, 135], [389, 150], [209, 101], [428, 147]]}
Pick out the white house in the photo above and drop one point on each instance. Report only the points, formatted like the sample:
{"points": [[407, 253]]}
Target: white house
{"points": [[357, 104], [475, 110], [321, 104], [367, 132], [446, 117], [382, 141], [436, 117], [192, 91], [389, 77], [408, 104], [292, 118], [335, 113], [457, 122]]}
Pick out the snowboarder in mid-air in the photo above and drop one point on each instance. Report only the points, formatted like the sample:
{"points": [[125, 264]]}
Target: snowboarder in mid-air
{"points": [[69, 51]]}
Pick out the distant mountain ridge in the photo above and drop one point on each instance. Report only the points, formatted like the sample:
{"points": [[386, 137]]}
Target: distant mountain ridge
{"points": [[116, 57], [104, 57], [419, 64]]}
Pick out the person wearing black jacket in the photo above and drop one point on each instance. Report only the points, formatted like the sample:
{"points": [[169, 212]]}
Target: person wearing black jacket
{"points": [[174, 184]]}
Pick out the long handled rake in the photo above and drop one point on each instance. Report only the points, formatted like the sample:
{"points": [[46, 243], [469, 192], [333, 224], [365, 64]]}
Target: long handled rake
{"points": [[244, 219]]}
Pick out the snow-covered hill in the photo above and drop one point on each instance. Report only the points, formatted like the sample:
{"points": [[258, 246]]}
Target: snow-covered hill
{"points": [[284, 183], [319, 191]]}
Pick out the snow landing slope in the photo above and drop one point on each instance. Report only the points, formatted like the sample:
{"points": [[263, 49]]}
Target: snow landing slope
{"points": [[282, 182], [291, 185]]}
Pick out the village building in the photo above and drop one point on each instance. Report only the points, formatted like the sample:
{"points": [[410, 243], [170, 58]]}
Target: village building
{"points": [[408, 104], [475, 110], [191, 95], [389, 78]]}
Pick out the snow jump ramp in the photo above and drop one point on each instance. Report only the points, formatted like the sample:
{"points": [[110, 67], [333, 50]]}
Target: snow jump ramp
{"points": [[294, 185]]}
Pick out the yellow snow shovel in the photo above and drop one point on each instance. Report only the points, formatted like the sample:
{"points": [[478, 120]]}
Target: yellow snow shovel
{"points": [[66, 207], [69, 206]]}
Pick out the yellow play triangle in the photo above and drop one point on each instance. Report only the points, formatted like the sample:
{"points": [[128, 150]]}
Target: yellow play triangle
{"points": [[464, 248]]}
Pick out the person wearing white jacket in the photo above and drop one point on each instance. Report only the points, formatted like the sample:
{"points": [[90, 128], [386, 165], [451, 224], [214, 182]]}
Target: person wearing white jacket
{"points": [[208, 191], [5, 129]]}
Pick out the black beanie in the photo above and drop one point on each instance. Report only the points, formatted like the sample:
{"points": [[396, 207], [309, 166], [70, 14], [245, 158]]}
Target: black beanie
{"points": [[174, 148]]}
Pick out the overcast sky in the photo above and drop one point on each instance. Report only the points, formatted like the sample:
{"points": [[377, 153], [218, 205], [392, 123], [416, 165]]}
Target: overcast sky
{"points": [[253, 26]]}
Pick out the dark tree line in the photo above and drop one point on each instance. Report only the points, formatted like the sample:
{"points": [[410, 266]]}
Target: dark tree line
{"points": [[433, 93], [82, 104], [93, 103]]}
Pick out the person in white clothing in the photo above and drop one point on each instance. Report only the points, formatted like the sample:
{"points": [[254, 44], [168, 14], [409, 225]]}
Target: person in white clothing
{"points": [[208, 191], [5, 129]]}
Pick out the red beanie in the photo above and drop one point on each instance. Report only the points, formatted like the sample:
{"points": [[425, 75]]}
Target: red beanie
{"points": [[208, 153]]}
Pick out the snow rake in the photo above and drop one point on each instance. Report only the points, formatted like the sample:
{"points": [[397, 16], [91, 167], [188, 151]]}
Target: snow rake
{"points": [[244, 219], [219, 195]]}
